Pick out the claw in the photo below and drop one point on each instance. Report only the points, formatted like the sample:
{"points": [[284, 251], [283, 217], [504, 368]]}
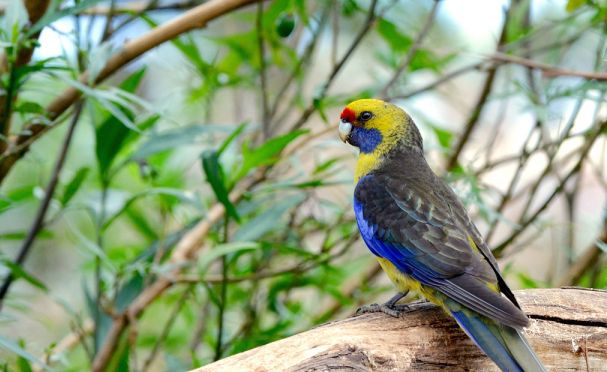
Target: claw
{"points": [[393, 311], [390, 307]]}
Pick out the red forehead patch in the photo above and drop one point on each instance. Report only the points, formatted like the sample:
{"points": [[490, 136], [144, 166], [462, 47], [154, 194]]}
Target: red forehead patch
{"points": [[348, 115]]}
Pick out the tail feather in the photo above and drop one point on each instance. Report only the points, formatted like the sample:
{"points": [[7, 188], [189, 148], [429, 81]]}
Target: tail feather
{"points": [[506, 346]]}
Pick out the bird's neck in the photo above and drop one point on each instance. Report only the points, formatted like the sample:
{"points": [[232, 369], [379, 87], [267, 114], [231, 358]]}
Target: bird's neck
{"points": [[365, 164], [407, 143], [403, 153]]}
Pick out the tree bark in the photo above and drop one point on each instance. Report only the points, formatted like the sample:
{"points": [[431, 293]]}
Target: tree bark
{"points": [[568, 332]]}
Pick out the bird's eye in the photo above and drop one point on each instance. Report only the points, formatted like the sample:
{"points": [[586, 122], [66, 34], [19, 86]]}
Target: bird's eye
{"points": [[365, 115]]}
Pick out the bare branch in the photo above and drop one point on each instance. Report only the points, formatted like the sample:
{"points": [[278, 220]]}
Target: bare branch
{"points": [[548, 70], [567, 327]]}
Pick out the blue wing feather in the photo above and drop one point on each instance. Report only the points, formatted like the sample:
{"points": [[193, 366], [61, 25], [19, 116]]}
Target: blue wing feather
{"points": [[436, 255]]}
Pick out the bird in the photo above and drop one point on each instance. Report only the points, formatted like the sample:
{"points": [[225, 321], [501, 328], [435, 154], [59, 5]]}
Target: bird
{"points": [[423, 238]]}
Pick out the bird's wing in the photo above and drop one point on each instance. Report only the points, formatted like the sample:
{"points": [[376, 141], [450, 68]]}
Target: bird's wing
{"points": [[416, 230], [459, 214]]}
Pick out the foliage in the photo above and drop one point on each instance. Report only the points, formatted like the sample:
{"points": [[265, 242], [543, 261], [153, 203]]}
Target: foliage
{"points": [[205, 180]]}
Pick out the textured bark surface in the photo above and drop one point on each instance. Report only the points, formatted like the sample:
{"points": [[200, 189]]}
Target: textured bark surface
{"points": [[568, 331]]}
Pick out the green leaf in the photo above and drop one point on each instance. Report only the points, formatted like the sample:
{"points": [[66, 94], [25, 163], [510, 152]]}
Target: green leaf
{"points": [[29, 107], [265, 154], [225, 249], [141, 224], [20, 273], [74, 185], [572, 5], [24, 364], [55, 14], [122, 203], [231, 138], [244, 45], [215, 177], [325, 166], [349, 8], [20, 235], [443, 136], [186, 45], [15, 16], [396, 40], [102, 328], [123, 360], [16, 349], [128, 292], [528, 282], [112, 134], [267, 221], [172, 139]]}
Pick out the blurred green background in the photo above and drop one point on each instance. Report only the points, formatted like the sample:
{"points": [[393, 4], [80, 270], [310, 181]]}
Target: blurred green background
{"points": [[509, 96]]}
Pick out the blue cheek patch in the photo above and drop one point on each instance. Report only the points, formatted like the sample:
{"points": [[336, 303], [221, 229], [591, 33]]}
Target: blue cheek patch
{"points": [[365, 139]]}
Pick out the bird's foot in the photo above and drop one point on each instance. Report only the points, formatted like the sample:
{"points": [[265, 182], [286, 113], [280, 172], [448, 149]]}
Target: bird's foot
{"points": [[390, 309]]}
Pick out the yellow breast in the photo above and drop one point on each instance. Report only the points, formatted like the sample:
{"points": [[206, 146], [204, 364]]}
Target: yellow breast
{"points": [[365, 164]]}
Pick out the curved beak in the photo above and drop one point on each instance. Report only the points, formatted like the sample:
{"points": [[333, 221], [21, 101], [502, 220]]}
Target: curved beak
{"points": [[345, 127]]}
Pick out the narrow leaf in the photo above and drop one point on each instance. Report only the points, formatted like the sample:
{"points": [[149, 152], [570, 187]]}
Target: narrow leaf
{"points": [[53, 15], [174, 138], [20, 273], [16, 349], [265, 154], [215, 176], [112, 134], [225, 249], [74, 185], [231, 138]]}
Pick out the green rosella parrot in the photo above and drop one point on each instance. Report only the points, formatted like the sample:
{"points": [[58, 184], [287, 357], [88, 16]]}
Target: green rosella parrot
{"points": [[422, 236]]}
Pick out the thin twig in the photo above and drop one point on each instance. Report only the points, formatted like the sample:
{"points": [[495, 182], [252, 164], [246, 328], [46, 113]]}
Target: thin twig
{"points": [[413, 49], [548, 70], [184, 251], [223, 293], [166, 329], [265, 117], [21, 57], [477, 108], [302, 61], [200, 328], [41, 213], [526, 221], [369, 22], [443, 79]]}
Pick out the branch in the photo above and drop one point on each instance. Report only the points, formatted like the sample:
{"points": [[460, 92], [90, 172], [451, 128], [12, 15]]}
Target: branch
{"points": [[35, 11], [195, 18], [412, 50], [548, 70], [477, 109], [524, 222], [184, 251], [568, 329], [265, 118], [369, 22], [44, 205]]}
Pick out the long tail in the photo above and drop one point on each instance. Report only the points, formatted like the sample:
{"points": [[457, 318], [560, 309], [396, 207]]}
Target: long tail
{"points": [[506, 346]]}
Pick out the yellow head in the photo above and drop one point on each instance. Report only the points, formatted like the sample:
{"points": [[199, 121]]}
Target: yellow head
{"points": [[376, 127]]}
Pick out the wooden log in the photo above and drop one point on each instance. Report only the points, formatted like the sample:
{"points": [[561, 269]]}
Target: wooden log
{"points": [[568, 331]]}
